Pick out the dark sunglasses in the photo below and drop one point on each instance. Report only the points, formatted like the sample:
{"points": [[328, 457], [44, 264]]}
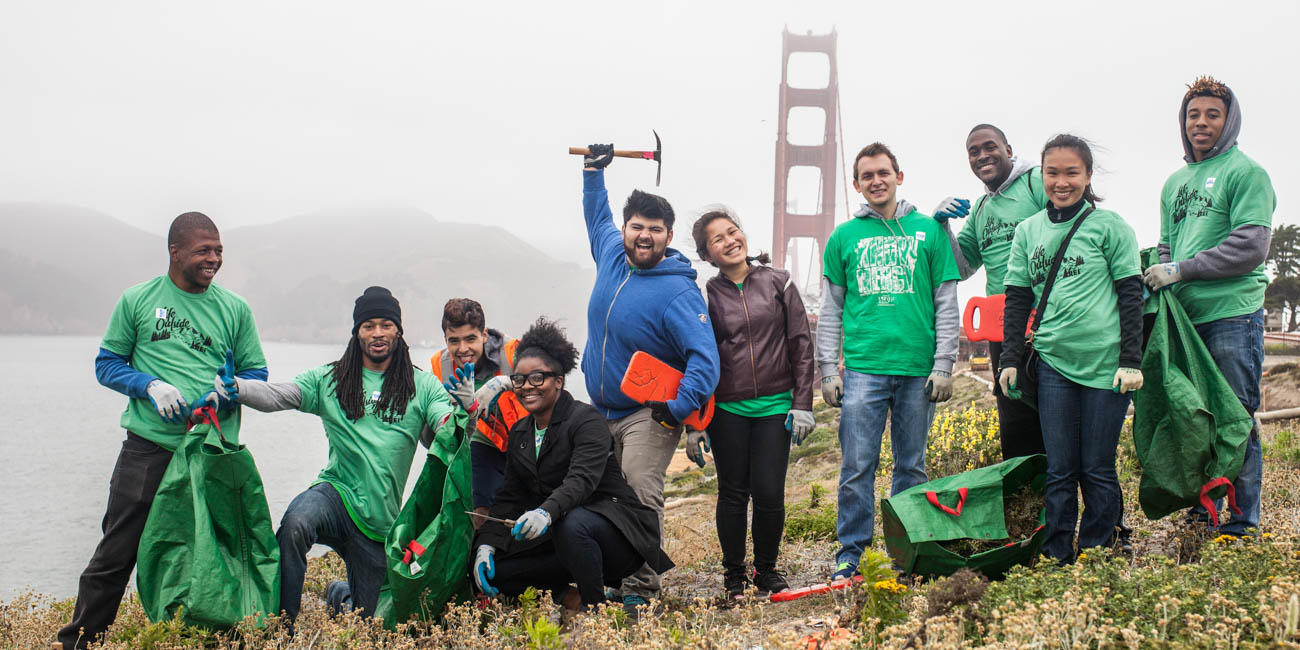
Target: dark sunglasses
{"points": [[534, 378]]}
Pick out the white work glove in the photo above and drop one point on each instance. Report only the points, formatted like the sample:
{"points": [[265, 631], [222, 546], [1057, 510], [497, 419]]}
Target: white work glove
{"points": [[485, 568], [1007, 380], [697, 442], [939, 386], [532, 525], [169, 402], [833, 390], [461, 387], [491, 391], [1159, 276], [799, 424], [951, 208], [1126, 380]]}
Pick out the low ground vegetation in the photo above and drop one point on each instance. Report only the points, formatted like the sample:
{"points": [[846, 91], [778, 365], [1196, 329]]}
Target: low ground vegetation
{"points": [[1180, 588]]}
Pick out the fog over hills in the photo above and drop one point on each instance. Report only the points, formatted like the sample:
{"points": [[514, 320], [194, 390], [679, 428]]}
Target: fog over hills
{"points": [[65, 266]]}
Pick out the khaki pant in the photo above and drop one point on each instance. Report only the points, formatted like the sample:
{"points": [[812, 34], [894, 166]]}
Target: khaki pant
{"points": [[644, 448]]}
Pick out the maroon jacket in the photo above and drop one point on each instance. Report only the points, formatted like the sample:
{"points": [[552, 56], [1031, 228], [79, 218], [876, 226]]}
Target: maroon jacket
{"points": [[764, 342]]}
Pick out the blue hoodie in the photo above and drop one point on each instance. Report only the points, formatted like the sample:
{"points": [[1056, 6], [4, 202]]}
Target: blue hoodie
{"points": [[659, 311]]}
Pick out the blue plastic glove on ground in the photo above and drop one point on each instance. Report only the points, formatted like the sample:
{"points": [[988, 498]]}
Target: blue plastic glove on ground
{"points": [[485, 568], [532, 525]]}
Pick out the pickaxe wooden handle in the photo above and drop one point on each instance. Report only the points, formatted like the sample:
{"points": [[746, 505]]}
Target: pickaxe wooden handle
{"points": [[656, 155]]}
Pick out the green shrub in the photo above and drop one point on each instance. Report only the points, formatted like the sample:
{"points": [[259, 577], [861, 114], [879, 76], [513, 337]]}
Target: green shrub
{"points": [[1284, 448], [813, 519]]}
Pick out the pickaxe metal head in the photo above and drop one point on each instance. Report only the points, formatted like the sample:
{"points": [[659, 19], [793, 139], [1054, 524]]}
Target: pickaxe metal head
{"points": [[659, 156]]}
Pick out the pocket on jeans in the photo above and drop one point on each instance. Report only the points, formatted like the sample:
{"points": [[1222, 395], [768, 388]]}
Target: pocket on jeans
{"points": [[132, 473]]}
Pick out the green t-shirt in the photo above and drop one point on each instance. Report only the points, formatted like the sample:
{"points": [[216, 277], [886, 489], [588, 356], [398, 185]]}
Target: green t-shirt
{"points": [[1219, 195], [757, 407], [181, 338], [1079, 333], [889, 271], [538, 436], [369, 459], [986, 237]]}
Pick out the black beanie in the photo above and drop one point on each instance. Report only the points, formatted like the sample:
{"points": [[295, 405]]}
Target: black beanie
{"points": [[376, 302]]}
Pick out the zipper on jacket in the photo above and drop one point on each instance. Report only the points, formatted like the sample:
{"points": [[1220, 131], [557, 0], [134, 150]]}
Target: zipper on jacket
{"points": [[750, 332], [605, 339]]}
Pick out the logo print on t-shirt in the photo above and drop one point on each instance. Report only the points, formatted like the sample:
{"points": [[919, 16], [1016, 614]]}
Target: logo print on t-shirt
{"points": [[1040, 262], [996, 231], [170, 325], [1190, 202], [886, 265]]}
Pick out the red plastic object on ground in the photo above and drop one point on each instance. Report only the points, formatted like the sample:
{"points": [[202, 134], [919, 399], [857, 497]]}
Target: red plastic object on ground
{"points": [[648, 379], [813, 590], [990, 312]]}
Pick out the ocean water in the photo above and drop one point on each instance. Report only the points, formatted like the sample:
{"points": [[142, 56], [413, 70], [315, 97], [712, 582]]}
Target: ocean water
{"points": [[59, 438]]}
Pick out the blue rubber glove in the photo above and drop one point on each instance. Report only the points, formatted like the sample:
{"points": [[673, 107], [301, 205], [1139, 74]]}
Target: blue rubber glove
{"points": [[532, 525], [951, 208], [485, 568], [168, 401], [224, 385], [697, 442], [461, 386]]}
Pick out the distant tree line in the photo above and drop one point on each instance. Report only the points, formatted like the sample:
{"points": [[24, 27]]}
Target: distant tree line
{"points": [[1283, 292]]}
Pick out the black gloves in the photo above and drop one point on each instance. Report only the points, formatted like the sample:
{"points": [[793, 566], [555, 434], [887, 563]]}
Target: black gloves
{"points": [[599, 156], [659, 411]]}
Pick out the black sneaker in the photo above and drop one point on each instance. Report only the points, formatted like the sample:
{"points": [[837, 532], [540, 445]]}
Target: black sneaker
{"points": [[735, 584], [770, 581]]}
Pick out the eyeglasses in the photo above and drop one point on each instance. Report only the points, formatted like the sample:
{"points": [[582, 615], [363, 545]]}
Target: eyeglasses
{"points": [[534, 378]]}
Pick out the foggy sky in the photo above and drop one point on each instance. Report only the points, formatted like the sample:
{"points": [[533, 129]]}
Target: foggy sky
{"points": [[257, 111]]}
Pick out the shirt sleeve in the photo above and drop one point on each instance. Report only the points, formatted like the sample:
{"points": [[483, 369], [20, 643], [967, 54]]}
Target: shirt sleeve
{"points": [[445, 420], [968, 244], [1251, 200], [120, 336], [606, 241], [1122, 252], [310, 382], [943, 265], [1018, 263], [832, 264], [686, 321], [248, 345]]}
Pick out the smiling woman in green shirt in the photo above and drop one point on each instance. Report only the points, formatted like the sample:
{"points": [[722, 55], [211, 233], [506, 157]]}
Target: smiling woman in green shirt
{"points": [[1088, 340]]}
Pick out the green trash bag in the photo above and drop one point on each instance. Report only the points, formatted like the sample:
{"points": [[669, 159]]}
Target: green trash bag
{"points": [[208, 550], [966, 506], [428, 546], [1189, 428]]}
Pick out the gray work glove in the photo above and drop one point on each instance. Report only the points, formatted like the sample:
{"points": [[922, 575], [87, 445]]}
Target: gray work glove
{"points": [[939, 386], [697, 442], [461, 387], [833, 390], [491, 391], [799, 424], [1159, 276], [1127, 380], [169, 402]]}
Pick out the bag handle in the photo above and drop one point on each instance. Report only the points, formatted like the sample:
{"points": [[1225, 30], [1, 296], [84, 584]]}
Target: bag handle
{"points": [[414, 549], [933, 498], [1208, 504], [1036, 316], [204, 415]]}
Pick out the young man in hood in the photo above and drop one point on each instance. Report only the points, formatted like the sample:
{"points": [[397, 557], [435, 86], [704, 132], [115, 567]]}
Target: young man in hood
{"points": [[890, 289], [1216, 219], [1013, 192], [646, 299], [472, 345]]}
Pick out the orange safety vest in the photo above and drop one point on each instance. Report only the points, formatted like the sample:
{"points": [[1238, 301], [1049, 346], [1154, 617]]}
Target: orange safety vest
{"points": [[496, 426]]}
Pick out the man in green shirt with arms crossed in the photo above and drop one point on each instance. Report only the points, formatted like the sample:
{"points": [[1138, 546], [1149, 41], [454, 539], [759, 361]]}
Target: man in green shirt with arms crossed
{"points": [[375, 405], [164, 340], [1216, 218], [890, 286], [1013, 192]]}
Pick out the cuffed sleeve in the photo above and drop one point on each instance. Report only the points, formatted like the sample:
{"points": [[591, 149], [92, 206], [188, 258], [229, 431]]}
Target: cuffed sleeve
{"points": [[1129, 292], [1015, 318], [799, 346], [114, 371], [1241, 252], [830, 327], [946, 324], [268, 397]]}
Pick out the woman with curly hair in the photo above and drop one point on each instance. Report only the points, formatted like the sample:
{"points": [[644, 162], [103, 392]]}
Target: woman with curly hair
{"points": [[575, 519], [757, 314]]}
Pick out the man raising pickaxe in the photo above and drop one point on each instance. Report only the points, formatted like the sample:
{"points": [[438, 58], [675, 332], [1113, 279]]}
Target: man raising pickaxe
{"points": [[656, 155]]}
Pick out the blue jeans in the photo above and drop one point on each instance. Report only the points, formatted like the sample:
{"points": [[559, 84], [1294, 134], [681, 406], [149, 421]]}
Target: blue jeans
{"points": [[868, 401], [1237, 346], [1081, 428], [319, 516]]}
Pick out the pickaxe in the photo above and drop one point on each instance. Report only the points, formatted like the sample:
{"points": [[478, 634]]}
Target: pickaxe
{"points": [[656, 155]]}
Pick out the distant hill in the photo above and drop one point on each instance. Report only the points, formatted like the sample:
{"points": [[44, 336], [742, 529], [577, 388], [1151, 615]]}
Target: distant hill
{"points": [[64, 267]]}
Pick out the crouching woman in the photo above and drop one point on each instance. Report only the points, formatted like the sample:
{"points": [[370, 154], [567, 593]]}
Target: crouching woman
{"points": [[576, 519]]}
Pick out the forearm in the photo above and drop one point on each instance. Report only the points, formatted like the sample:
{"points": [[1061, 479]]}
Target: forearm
{"points": [[964, 267], [946, 326], [115, 372], [1015, 317], [601, 233], [1241, 252], [830, 328], [1129, 297], [799, 347], [268, 397]]}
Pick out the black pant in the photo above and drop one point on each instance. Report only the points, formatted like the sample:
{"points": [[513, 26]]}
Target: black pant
{"points": [[1021, 433], [588, 550], [318, 516], [751, 455], [139, 470]]}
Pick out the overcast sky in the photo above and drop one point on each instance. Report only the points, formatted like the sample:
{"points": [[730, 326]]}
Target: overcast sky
{"points": [[257, 111]]}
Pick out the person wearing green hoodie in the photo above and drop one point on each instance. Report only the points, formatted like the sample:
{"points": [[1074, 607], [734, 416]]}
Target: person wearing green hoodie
{"points": [[1216, 218], [889, 298], [1013, 192]]}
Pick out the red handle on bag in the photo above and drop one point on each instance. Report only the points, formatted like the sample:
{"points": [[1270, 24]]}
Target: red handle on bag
{"points": [[990, 312], [412, 547], [933, 498], [1208, 504]]}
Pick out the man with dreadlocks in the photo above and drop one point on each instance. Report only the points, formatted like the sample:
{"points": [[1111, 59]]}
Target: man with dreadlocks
{"points": [[164, 338], [1216, 219], [375, 405]]}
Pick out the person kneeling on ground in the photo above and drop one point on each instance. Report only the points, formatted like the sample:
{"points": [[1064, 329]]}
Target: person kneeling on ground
{"points": [[576, 518]]}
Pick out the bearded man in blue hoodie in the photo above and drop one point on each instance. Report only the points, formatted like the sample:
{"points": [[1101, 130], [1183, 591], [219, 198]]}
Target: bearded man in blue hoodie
{"points": [[646, 299]]}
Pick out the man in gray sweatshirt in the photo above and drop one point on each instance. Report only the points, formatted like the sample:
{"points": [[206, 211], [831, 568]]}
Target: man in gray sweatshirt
{"points": [[1216, 217], [889, 299]]}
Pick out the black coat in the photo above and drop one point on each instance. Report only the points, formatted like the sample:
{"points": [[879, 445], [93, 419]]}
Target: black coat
{"points": [[576, 467]]}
